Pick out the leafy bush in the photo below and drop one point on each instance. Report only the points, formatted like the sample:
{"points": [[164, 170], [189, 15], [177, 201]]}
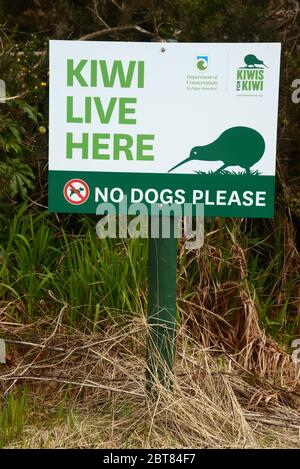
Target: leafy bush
{"points": [[20, 121]]}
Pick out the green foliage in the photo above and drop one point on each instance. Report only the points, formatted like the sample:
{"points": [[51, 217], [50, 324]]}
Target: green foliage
{"points": [[16, 176], [89, 275], [45, 266], [19, 176], [13, 415], [20, 119]]}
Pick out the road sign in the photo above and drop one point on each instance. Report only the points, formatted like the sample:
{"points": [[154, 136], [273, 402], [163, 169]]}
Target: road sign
{"points": [[165, 123], [76, 191]]}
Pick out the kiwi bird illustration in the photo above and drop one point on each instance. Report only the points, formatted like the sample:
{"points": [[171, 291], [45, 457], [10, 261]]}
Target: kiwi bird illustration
{"points": [[252, 61], [237, 146]]}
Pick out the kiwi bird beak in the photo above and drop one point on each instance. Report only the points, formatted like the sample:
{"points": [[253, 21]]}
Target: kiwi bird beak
{"points": [[265, 65], [179, 164]]}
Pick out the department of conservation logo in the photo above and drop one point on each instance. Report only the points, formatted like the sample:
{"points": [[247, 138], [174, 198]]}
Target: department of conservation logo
{"points": [[250, 77], [202, 63]]}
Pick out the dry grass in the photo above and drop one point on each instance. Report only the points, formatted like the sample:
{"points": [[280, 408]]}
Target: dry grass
{"points": [[223, 313], [88, 390], [234, 386]]}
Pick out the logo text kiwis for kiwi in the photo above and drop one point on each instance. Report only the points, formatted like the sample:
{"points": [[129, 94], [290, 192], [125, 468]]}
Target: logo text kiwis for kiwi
{"points": [[250, 76]]}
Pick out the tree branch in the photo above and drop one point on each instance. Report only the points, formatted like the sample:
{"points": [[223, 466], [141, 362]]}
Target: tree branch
{"points": [[117, 29]]}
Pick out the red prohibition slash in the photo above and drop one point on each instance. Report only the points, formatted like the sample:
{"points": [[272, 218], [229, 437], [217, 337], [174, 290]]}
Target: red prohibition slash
{"points": [[76, 191]]}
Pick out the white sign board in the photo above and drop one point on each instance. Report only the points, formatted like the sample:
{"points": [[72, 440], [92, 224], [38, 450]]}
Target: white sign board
{"points": [[162, 123]]}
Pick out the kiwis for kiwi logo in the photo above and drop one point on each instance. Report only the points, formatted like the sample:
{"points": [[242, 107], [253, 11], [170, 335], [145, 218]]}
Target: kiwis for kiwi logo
{"points": [[250, 76]]}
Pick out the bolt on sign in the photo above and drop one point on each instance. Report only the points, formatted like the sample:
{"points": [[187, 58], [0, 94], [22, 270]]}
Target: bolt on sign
{"points": [[161, 123]]}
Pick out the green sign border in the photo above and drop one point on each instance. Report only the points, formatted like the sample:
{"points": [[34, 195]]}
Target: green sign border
{"points": [[187, 182]]}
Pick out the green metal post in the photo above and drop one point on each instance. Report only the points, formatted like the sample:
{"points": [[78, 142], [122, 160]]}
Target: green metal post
{"points": [[161, 346]]}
